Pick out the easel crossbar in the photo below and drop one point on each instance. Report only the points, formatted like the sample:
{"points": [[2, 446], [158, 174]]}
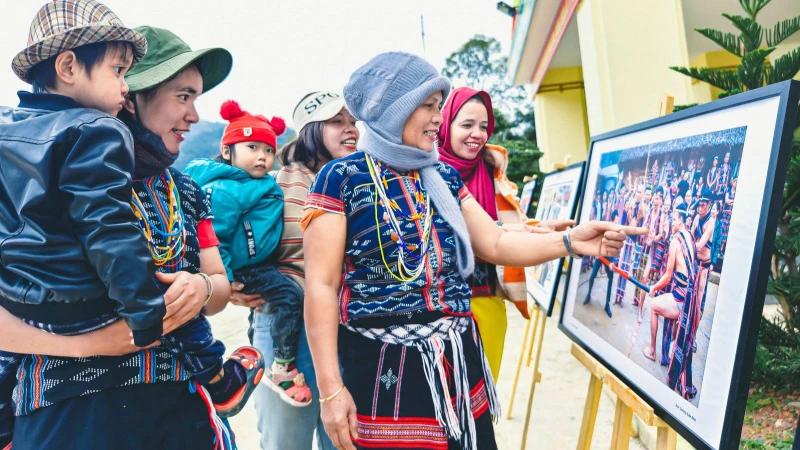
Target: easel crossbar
{"points": [[622, 391]]}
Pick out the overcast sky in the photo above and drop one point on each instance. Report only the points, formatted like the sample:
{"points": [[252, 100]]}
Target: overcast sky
{"points": [[284, 49]]}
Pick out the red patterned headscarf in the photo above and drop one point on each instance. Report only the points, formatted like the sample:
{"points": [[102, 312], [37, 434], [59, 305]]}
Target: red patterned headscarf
{"points": [[474, 172]]}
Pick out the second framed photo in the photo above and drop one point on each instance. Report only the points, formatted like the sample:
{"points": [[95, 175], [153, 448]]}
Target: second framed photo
{"points": [[526, 198], [558, 201]]}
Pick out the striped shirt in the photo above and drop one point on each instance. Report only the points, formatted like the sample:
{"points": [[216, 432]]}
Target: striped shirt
{"points": [[294, 180]]}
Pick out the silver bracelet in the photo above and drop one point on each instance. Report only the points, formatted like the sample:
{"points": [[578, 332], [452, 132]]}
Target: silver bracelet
{"points": [[568, 245]]}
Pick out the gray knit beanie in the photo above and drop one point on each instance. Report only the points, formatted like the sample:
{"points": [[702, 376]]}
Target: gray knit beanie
{"points": [[383, 94], [386, 90]]}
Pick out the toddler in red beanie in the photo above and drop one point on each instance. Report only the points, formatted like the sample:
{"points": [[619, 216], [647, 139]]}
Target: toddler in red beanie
{"points": [[247, 205]]}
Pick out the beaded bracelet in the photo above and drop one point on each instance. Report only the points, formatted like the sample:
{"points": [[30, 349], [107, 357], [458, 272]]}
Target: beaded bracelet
{"points": [[209, 287]]}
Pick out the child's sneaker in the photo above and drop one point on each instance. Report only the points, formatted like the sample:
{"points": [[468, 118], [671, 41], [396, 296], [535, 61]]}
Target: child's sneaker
{"points": [[289, 384], [243, 371]]}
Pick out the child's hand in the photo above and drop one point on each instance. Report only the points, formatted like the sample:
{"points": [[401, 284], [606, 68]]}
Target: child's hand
{"points": [[241, 299]]}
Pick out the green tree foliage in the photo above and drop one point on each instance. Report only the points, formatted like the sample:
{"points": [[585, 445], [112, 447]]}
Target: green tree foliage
{"points": [[754, 70], [778, 356], [523, 161], [480, 64]]}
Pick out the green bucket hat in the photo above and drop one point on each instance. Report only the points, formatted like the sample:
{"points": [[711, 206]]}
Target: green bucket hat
{"points": [[167, 55]]}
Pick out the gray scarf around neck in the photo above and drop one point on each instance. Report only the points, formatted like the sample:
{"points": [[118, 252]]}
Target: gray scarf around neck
{"points": [[404, 157]]}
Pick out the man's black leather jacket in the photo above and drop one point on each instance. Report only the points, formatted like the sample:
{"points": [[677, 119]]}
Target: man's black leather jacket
{"points": [[70, 248]]}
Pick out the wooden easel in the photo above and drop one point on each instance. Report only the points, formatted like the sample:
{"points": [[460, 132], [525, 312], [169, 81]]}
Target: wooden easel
{"points": [[534, 345], [534, 351], [628, 402], [536, 340]]}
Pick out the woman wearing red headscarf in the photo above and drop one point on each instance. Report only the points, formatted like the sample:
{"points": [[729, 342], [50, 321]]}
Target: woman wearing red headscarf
{"points": [[468, 122]]}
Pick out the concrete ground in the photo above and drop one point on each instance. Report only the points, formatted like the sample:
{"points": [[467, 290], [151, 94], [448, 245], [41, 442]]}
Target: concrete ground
{"points": [[558, 400]]}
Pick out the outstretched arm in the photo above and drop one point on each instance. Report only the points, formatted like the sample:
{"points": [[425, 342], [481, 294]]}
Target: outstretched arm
{"points": [[18, 337], [495, 245]]}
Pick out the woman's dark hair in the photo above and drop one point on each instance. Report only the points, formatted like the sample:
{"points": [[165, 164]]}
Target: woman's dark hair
{"points": [[478, 97], [308, 148], [43, 75], [683, 186]]}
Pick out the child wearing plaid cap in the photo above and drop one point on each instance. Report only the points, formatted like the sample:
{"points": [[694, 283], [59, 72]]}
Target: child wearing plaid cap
{"points": [[74, 259]]}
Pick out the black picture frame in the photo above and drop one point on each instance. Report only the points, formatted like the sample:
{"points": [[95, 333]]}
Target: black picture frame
{"points": [[529, 188], [796, 445], [580, 166], [788, 93]]}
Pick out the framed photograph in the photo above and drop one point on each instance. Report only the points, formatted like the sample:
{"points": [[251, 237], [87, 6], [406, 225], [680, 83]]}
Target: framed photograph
{"points": [[527, 195], [676, 315], [558, 201]]}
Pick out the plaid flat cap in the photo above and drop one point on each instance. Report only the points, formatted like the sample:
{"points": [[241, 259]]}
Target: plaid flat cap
{"points": [[63, 25]]}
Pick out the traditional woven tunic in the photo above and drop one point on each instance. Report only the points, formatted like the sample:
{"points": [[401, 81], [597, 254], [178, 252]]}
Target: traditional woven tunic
{"points": [[409, 350]]}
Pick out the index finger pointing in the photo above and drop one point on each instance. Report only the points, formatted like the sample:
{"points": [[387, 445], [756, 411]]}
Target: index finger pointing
{"points": [[634, 231]]}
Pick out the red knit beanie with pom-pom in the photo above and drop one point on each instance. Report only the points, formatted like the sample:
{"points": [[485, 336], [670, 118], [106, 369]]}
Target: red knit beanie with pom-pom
{"points": [[244, 126]]}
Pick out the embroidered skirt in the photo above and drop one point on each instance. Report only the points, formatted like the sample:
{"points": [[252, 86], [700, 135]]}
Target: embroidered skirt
{"points": [[400, 393]]}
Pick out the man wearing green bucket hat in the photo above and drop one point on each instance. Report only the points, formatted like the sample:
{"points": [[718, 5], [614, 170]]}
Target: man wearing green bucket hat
{"points": [[145, 399]]}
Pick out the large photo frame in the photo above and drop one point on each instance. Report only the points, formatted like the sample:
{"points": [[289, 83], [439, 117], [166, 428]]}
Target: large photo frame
{"points": [[558, 200], [681, 331]]}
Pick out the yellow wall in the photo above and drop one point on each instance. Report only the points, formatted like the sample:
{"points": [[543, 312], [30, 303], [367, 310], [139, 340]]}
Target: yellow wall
{"points": [[560, 115], [626, 50]]}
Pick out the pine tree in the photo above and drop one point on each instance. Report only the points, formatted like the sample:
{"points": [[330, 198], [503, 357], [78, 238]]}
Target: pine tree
{"points": [[778, 357]]}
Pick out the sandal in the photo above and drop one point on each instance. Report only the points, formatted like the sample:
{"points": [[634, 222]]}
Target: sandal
{"points": [[291, 385], [253, 363]]}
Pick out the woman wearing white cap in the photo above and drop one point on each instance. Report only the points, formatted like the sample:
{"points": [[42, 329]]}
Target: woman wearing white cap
{"points": [[326, 131]]}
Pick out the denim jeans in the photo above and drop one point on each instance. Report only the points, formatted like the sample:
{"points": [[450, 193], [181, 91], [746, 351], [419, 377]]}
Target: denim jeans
{"points": [[281, 425], [284, 300]]}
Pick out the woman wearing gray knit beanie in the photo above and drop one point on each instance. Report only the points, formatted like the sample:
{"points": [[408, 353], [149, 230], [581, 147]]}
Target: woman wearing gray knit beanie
{"points": [[390, 238]]}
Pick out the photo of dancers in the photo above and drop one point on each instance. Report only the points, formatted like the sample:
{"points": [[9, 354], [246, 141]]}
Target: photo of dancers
{"points": [[557, 201], [655, 303]]}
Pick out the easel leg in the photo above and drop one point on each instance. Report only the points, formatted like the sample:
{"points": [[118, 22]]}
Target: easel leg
{"points": [[623, 421], [667, 439], [537, 341], [535, 321], [519, 367], [590, 413]]}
